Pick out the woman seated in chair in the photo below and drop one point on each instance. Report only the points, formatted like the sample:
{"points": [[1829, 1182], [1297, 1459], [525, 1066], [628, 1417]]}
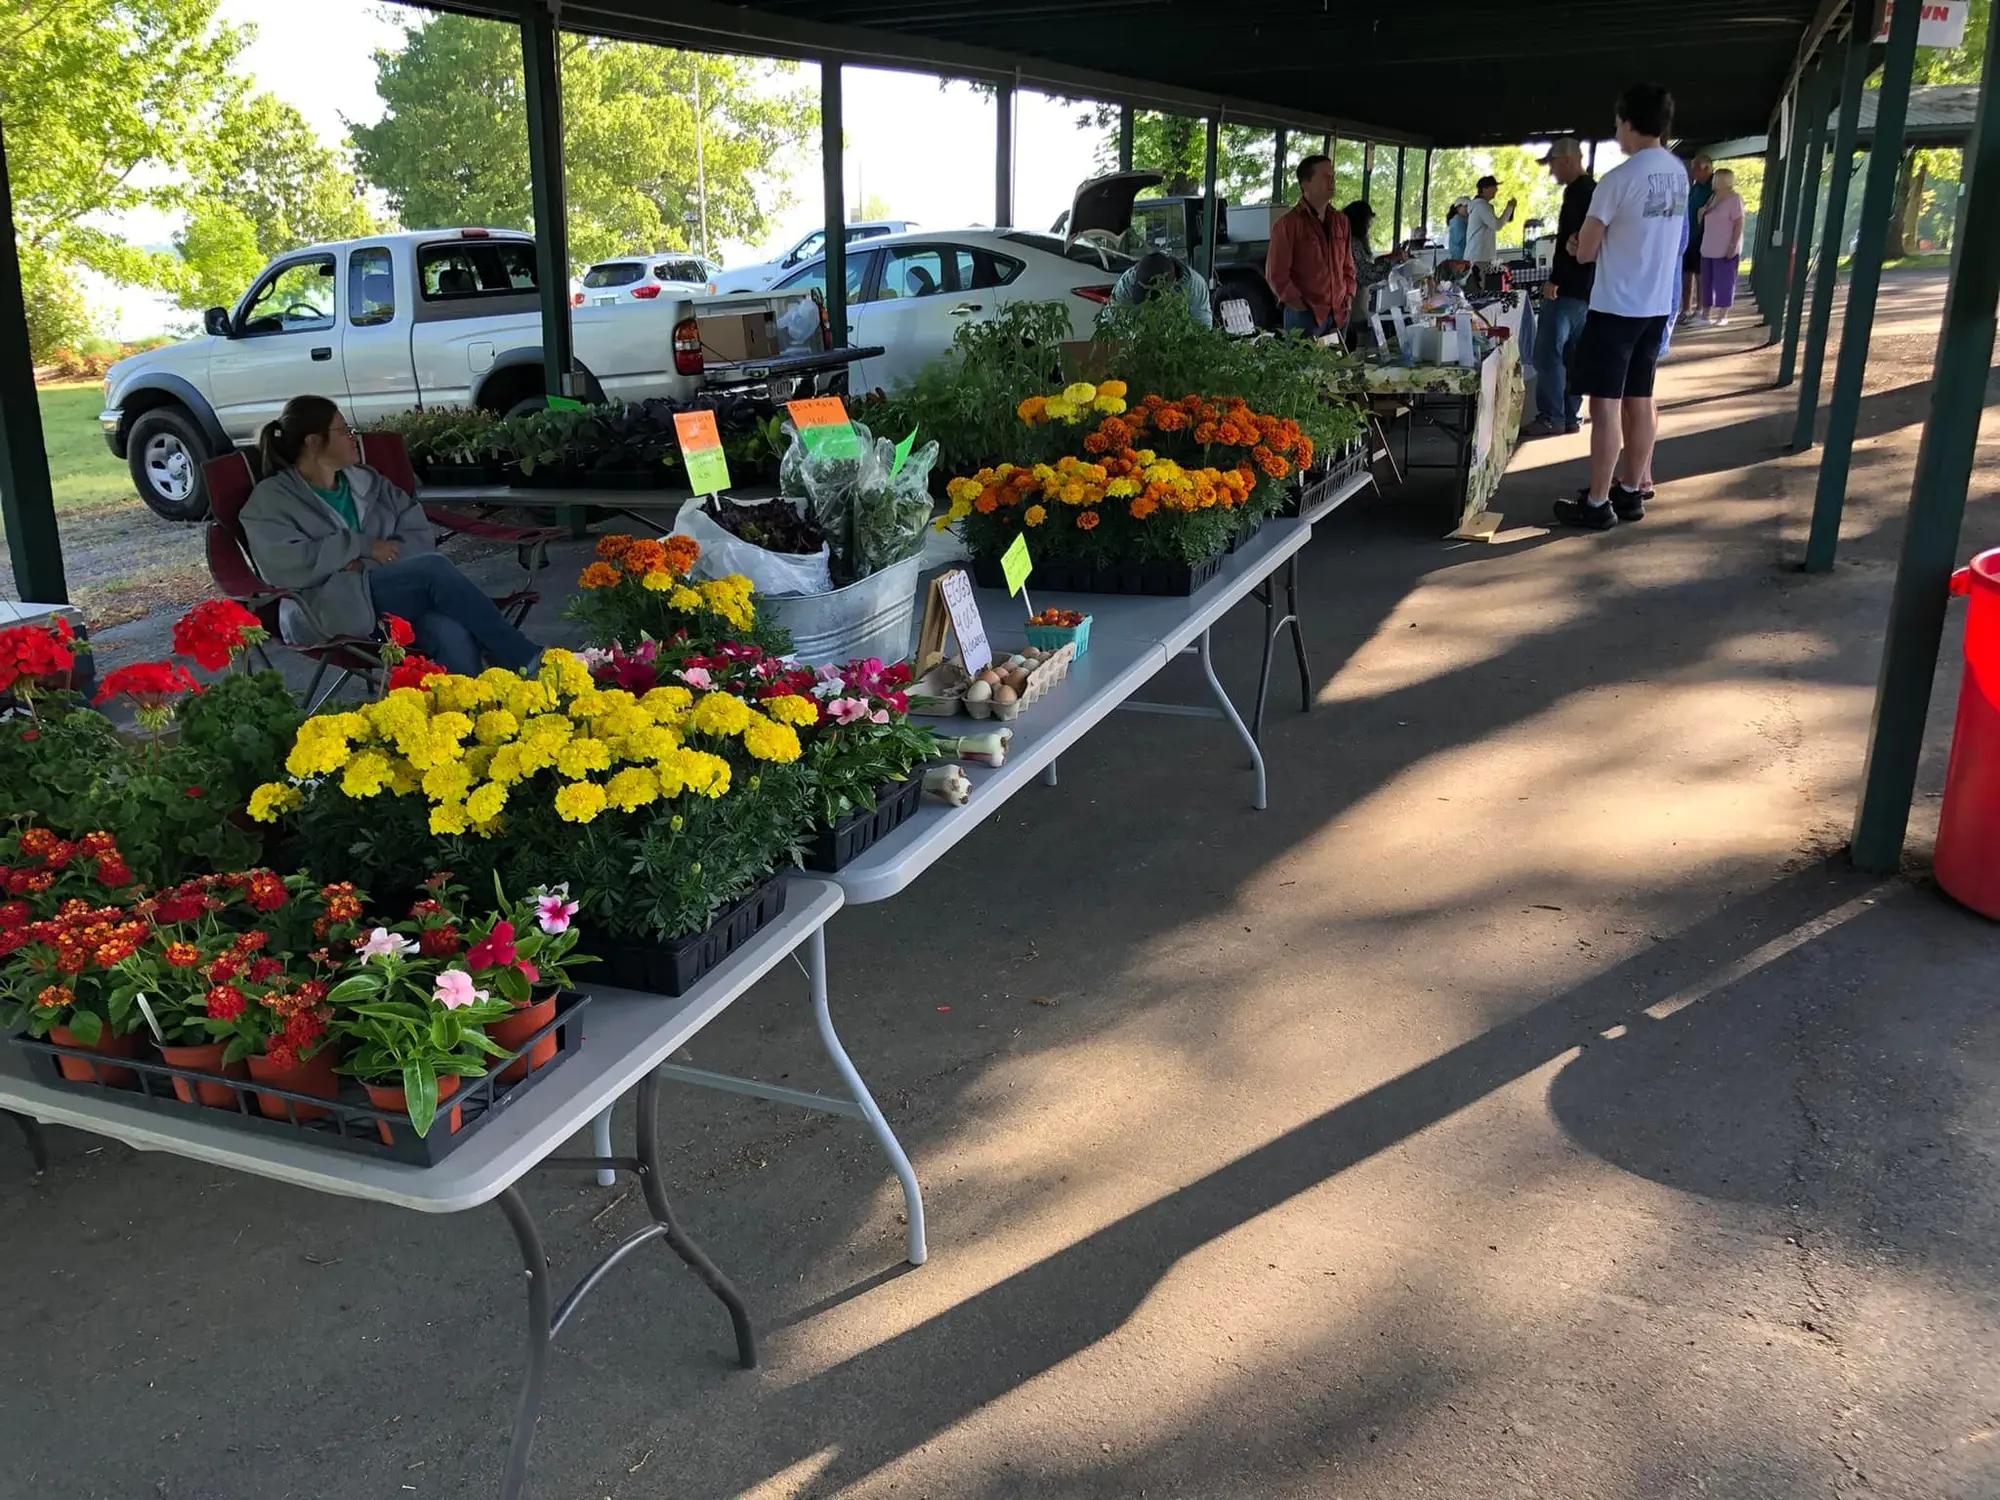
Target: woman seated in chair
{"points": [[351, 547]]}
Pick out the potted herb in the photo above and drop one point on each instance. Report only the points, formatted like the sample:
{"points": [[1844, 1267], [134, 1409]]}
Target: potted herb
{"points": [[410, 1028]]}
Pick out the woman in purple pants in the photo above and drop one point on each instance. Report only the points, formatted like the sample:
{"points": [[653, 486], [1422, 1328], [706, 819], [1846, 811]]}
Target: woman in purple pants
{"points": [[1721, 248]]}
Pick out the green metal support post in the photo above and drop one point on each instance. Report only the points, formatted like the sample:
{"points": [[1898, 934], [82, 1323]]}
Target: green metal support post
{"points": [[1853, 78], [1813, 100], [1208, 215], [1124, 137], [542, 74], [1367, 170], [1770, 208], [1279, 145], [1783, 249], [1424, 221], [833, 190], [1864, 281], [1937, 500], [1003, 160], [27, 504], [1396, 234]]}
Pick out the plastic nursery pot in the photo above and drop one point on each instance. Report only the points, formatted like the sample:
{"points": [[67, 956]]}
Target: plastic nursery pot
{"points": [[514, 1031], [313, 1076], [205, 1058], [78, 1070], [392, 1099]]}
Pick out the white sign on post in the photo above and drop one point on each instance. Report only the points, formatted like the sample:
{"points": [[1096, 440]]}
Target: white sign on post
{"points": [[973, 647], [1942, 23]]}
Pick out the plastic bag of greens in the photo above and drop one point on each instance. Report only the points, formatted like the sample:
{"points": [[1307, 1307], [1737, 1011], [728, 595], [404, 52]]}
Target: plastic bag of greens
{"points": [[872, 510]]}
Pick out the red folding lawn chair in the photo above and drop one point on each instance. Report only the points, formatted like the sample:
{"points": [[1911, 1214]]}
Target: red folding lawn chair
{"points": [[235, 574]]}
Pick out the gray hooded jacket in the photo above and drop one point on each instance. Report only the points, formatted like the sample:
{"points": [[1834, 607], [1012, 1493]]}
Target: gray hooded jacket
{"points": [[300, 543]]}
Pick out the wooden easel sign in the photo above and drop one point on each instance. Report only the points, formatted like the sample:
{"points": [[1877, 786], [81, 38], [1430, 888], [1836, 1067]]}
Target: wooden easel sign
{"points": [[951, 612]]}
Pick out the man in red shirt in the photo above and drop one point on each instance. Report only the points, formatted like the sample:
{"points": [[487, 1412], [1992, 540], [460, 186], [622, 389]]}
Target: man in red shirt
{"points": [[1310, 264]]}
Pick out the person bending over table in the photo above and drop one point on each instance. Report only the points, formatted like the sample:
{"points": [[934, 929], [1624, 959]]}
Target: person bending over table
{"points": [[352, 547], [1160, 275]]}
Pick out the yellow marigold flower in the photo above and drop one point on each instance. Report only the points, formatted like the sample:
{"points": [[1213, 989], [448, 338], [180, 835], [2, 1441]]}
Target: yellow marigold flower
{"points": [[767, 740], [495, 725], [484, 805], [506, 767], [720, 714], [1115, 389], [1031, 409], [451, 725], [476, 760], [579, 801], [1059, 409], [462, 694], [403, 778], [632, 788], [449, 818], [1080, 393], [1034, 515], [657, 583], [655, 742], [547, 729], [273, 799], [447, 783], [564, 672], [703, 773], [320, 756], [624, 719], [588, 704], [684, 599], [535, 755], [526, 696], [964, 489], [581, 756], [1118, 489], [790, 708], [367, 773], [667, 704], [1109, 405]]}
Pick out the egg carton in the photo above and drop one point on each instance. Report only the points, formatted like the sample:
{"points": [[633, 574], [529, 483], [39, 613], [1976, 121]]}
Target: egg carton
{"points": [[1052, 671]]}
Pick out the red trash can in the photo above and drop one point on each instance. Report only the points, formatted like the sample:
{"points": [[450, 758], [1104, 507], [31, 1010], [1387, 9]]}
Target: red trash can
{"points": [[1967, 861]]}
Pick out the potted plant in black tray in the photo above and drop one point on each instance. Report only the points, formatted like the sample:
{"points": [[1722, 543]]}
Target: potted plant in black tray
{"points": [[634, 447]]}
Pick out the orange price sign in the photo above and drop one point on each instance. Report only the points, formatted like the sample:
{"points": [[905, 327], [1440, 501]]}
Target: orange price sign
{"points": [[818, 411], [701, 452], [824, 428]]}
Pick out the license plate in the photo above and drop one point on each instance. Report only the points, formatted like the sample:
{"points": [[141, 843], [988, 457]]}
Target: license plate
{"points": [[606, 301]]}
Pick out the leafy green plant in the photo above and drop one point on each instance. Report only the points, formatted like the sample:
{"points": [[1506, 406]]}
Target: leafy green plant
{"points": [[407, 1020]]}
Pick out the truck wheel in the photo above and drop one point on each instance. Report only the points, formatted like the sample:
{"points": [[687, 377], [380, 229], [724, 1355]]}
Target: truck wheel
{"points": [[167, 451]]}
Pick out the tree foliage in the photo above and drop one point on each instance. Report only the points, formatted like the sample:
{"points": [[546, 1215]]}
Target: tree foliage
{"points": [[1177, 145], [452, 147], [113, 106]]}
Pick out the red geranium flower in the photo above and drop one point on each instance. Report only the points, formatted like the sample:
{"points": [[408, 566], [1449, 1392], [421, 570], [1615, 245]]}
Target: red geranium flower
{"points": [[398, 630], [152, 686], [35, 651], [411, 671], [213, 632]]}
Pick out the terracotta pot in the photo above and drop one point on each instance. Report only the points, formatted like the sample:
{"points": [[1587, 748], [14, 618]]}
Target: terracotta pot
{"points": [[514, 1031], [392, 1098], [77, 1070], [206, 1058], [314, 1076]]}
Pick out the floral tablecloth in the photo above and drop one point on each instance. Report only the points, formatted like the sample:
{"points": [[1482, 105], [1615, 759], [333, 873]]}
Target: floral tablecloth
{"points": [[1496, 381], [1406, 380]]}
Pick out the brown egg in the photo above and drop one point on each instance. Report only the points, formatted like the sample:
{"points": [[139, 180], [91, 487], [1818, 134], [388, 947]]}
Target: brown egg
{"points": [[1005, 694], [992, 675]]}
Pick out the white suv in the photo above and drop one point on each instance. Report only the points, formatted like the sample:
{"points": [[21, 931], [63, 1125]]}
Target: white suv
{"points": [[626, 279], [756, 278]]}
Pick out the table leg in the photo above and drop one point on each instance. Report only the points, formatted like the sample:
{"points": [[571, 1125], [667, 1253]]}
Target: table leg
{"points": [[654, 1183], [535, 1261], [913, 1197], [37, 1143], [1235, 720], [1049, 775], [600, 1142], [1298, 634]]}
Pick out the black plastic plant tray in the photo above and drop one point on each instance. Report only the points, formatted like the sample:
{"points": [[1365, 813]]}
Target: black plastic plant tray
{"points": [[836, 846], [674, 968], [351, 1119], [1168, 579]]}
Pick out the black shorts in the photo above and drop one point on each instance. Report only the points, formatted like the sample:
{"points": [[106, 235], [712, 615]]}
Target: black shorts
{"points": [[1691, 258], [1616, 357]]}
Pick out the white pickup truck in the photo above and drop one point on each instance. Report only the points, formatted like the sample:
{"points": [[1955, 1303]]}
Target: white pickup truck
{"points": [[443, 317]]}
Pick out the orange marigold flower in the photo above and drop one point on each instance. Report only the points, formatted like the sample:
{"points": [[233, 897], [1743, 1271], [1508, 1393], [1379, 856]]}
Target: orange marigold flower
{"points": [[1034, 515], [1116, 432], [1097, 442], [683, 552], [1276, 465], [599, 575], [1205, 432], [1086, 520], [1143, 506], [987, 503], [1172, 419], [644, 556], [1229, 433], [1304, 456], [613, 547]]}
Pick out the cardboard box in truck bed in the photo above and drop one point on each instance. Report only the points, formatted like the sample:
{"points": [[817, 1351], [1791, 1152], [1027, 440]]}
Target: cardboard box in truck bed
{"points": [[731, 338]]}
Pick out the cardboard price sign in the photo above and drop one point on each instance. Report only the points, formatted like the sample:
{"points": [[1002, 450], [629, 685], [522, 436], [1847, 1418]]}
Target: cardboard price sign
{"points": [[1016, 565], [950, 608], [701, 451], [824, 427]]}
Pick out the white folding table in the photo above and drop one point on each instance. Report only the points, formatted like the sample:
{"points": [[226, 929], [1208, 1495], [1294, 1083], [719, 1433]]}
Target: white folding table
{"points": [[628, 1037]]}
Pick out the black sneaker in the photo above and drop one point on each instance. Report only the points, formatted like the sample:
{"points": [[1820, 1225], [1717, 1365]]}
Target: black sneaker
{"points": [[1573, 427], [1630, 505], [1541, 427], [1600, 516]]}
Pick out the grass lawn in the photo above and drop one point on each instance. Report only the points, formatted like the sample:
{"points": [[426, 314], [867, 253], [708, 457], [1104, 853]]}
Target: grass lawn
{"points": [[82, 470]]}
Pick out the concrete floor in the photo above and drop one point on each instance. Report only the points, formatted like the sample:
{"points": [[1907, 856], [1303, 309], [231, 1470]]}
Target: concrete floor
{"points": [[1531, 1103]]}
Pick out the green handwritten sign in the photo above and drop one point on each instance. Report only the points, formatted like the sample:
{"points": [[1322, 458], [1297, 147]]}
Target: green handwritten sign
{"points": [[1016, 565], [701, 452], [563, 403], [903, 453]]}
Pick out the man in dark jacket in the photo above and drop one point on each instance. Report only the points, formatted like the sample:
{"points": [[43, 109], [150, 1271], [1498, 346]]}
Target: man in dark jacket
{"points": [[1565, 298]]}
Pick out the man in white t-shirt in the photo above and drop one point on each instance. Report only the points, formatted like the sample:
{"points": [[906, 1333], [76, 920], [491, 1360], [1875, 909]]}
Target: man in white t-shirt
{"points": [[1484, 223], [1633, 235]]}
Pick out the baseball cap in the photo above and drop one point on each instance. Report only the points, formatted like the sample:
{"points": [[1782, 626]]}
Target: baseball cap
{"points": [[1486, 182], [1563, 145]]}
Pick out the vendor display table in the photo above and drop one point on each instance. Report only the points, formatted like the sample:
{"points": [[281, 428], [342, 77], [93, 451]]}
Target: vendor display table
{"points": [[1476, 408], [653, 509], [629, 1038]]}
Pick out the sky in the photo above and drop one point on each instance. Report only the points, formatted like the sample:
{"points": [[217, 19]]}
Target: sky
{"points": [[319, 59]]}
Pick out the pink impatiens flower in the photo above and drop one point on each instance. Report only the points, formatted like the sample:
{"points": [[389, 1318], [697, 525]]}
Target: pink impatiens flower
{"points": [[697, 677], [848, 710], [454, 988], [382, 943]]}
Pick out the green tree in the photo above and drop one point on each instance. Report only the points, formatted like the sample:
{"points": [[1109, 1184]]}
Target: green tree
{"points": [[1925, 169], [1455, 174], [452, 147], [1177, 145]]}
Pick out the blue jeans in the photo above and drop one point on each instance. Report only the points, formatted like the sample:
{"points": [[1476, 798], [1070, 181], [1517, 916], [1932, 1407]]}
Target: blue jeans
{"points": [[1556, 333], [456, 625], [1304, 322]]}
